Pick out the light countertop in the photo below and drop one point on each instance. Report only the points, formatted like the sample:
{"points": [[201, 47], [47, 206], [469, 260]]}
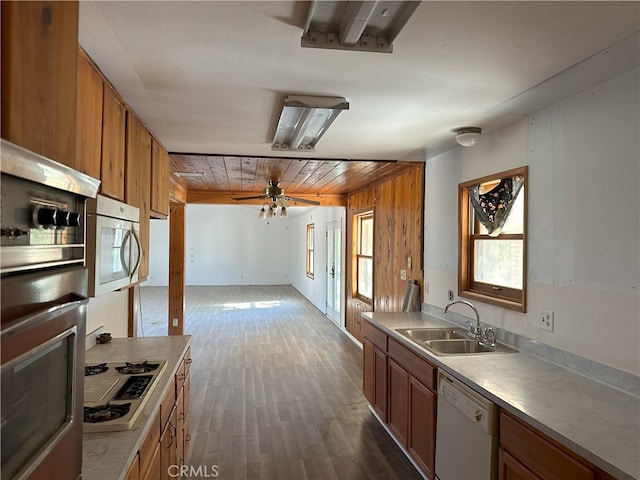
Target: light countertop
{"points": [[599, 422], [107, 455]]}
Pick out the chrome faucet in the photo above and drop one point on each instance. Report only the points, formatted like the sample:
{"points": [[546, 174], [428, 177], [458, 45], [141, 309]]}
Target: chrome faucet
{"points": [[486, 336]]}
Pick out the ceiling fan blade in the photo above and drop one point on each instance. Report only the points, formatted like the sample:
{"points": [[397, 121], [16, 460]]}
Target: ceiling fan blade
{"points": [[301, 200], [249, 198]]}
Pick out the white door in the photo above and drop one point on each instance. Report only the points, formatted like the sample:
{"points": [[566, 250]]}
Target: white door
{"points": [[334, 266]]}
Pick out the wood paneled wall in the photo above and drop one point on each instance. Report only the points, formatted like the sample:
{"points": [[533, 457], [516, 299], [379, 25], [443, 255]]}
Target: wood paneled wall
{"points": [[398, 228]]}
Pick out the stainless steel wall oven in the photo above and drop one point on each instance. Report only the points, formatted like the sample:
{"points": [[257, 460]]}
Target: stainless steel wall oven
{"points": [[43, 323]]}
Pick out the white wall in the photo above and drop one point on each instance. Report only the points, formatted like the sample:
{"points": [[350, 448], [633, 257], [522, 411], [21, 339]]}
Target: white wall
{"points": [[314, 289], [158, 254], [229, 245], [584, 221], [110, 311]]}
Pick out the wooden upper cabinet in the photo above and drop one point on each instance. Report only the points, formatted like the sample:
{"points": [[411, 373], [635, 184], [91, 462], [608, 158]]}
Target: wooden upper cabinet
{"points": [[113, 133], [39, 42], [89, 118], [159, 181], [137, 183]]}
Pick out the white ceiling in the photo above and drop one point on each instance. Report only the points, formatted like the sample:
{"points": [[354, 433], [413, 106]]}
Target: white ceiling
{"points": [[210, 77]]}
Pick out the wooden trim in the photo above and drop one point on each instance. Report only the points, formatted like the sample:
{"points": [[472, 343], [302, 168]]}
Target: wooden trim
{"points": [[227, 199], [512, 299], [176, 267]]}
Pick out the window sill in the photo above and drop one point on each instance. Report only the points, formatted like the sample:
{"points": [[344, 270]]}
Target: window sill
{"points": [[498, 302]]}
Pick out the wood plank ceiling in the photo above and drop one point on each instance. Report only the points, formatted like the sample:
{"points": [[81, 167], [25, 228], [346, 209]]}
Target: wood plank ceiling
{"points": [[217, 178]]}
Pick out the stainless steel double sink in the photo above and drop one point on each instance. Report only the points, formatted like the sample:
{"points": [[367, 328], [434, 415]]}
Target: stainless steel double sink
{"points": [[450, 341]]}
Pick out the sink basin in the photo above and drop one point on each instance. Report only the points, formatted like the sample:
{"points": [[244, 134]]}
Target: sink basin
{"points": [[450, 341], [421, 335], [464, 347]]}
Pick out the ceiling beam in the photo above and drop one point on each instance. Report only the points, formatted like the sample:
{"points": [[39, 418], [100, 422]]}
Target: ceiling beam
{"points": [[225, 198]]}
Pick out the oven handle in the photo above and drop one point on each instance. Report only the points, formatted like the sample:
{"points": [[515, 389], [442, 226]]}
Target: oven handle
{"points": [[55, 309]]}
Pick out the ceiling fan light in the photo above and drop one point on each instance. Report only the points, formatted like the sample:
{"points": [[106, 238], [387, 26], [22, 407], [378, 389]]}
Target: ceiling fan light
{"points": [[283, 212], [270, 213], [468, 136], [262, 214]]}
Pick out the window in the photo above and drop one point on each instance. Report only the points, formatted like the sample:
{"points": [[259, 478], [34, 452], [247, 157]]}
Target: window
{"points": [[309, 255], [492, 245], [363, 237]]}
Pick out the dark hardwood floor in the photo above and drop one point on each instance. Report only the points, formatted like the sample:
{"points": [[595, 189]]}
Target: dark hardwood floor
{"points": [[276, 388]]}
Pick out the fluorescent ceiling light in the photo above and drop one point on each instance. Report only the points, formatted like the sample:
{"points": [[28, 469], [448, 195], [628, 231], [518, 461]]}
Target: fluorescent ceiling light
{"points": [[370, 26], [304, 120]]}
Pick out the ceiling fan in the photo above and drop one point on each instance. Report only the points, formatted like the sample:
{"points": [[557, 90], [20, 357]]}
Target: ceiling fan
{"points": [[277, 195]]}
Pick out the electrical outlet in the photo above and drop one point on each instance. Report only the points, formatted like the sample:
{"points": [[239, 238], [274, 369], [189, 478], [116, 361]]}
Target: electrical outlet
{"points": [[403, 274], [450, 295], [426, 288], [175, 322], [546, 320]]}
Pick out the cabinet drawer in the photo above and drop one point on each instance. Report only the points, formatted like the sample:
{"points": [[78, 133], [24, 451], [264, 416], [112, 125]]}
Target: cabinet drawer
{"points": [[538, 454], [412, 363], [375, 335]]}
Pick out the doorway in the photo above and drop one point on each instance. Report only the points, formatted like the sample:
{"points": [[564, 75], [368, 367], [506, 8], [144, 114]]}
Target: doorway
{"points": [[334, 271]]}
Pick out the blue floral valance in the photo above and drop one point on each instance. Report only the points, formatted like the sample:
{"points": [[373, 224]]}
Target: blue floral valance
{"points": [[492, 208]]}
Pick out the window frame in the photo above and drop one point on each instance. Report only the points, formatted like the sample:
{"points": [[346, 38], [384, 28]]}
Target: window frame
{"points": [[310, 250], [498, 295], [357, 255]]}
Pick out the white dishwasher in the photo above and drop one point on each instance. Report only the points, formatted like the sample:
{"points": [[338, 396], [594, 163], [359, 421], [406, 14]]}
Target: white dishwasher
{"points": [[466, 433]]}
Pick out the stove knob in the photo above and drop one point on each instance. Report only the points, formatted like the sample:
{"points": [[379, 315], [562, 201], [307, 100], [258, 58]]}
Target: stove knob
{"points": [[62, 219], [74, 219], [46, 217]]}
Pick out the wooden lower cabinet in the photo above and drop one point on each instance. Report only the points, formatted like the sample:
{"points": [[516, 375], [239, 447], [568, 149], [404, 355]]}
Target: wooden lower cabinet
{"points": [[512, 469], [166, 446], [422, 426], [526, 453], [134, 470], [380, 382], [398, 419], [400, 386]]}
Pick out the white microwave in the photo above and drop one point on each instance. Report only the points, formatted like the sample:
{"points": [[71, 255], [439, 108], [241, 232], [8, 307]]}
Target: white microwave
{"points": [[113, 245]]}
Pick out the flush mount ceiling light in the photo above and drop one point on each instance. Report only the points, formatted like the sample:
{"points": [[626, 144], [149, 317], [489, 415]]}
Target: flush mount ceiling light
{"points": [[369, 26], [303, 121], [468, 136]]}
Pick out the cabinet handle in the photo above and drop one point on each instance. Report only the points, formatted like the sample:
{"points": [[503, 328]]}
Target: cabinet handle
{"points": [[187, 438], [182, 376], [189, 361]]}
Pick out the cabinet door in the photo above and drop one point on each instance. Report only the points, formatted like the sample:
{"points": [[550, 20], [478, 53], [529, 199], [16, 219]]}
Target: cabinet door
{"points": [[159, 181], [113, 156], [89, 119], [134, 470], [511, 469], [168, 447], [39, 76], [380, 382], [422, 426], [137, 184], [154, 468], [368, 372], [398, 401]]}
